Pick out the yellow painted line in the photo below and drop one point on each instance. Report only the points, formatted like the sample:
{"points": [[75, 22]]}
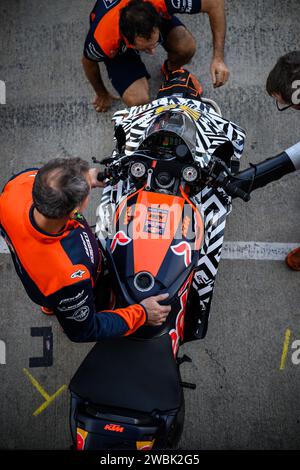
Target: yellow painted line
{"points": [[36, 385], [48, 402], [285, 348], [48, 399]]}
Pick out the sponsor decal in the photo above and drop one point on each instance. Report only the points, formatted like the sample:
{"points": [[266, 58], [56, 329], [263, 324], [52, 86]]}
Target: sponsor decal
{"points": [[162, 109], [78, 273], [177, 333], [93, 53], [183, 249], [110, 3], [72, 307], [123, 49], [85, 246], [144, 445], [113, 52], [182, 5], [80, 438], [156, 220], [89, 247], [185, 225], [202, 278], [71, 299], [113, 427], [81, 314], [178, 4], [129, 213], [120, 238], [184, 287], [191, 112]]}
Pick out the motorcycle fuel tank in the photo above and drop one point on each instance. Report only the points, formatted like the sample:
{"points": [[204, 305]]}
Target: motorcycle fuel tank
{"points": [[155, 244]]}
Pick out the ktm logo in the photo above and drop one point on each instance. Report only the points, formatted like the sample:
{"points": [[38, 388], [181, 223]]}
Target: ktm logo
{"points": [[113, 427]]}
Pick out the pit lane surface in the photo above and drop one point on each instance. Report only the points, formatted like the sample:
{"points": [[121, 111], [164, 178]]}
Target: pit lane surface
{"points": [[246, 369]]}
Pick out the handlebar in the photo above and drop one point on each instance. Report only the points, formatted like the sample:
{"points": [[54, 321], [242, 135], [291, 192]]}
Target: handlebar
{"points": [[265, 172], [102, 175], [256, 176], [234, 191]]}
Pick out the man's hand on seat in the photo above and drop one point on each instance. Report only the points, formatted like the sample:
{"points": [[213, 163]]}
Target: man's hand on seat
{"points": [[157, 313]]}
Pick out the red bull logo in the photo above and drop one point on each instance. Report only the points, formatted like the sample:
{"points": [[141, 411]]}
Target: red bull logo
{"points": [[120, 238], [178, 333], [144, 445], [183, 249], [81, 438]]}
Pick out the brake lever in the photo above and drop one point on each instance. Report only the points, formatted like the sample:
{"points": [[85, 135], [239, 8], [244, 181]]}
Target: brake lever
{"points": [[107, 160]]}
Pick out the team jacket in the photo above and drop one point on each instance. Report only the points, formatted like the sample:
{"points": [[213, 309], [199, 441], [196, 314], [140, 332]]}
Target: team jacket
{"points": [[104, 40], [59, 271]]}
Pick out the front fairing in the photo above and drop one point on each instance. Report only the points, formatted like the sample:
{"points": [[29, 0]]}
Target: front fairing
{"points": [[173, 276], [212, 129]]}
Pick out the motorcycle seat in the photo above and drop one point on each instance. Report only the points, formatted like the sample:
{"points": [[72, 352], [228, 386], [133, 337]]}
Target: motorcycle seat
{"points": [[131, 373]]}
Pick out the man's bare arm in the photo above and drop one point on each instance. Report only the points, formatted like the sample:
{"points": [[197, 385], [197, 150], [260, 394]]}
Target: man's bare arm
{"points": [[103, 99], [216, 11], [92, 72]]}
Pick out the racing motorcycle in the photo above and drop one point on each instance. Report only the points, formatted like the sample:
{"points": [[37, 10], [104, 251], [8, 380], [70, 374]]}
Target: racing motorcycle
{"points": [[170, 182]]}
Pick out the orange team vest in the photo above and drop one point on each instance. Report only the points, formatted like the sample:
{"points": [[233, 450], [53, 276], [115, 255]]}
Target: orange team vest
{"points": [[41, 256], [107, 32], [44, 261]]}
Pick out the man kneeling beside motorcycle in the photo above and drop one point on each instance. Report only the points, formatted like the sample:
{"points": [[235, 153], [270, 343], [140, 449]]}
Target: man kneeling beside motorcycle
{"points": [[57, 256]]}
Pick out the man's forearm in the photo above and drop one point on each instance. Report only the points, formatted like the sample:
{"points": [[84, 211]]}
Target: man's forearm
{"points": [[92, 72], [217, 18]]}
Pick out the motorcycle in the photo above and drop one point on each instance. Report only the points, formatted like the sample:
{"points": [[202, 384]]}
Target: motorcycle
{"points": [[170, 182]]}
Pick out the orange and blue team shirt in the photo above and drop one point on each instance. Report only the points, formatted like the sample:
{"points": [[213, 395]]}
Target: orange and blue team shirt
{"points": [[59, 271], [104, 40]]}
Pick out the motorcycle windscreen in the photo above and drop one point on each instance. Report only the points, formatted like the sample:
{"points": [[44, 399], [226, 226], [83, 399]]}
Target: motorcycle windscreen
{"points": [[156, 243], [176, 121]]}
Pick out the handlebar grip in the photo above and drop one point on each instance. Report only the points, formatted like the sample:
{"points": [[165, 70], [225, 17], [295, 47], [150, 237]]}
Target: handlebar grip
{"points": [[234, 191], [294, 154], [101, 176]]}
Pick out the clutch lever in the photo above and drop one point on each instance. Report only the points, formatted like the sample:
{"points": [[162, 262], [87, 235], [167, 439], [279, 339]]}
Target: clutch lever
{"points": [[105, 161]]}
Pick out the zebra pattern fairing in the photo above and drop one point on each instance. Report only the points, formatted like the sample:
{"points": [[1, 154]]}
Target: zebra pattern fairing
{"points": [[212, 129], [214, 204]]}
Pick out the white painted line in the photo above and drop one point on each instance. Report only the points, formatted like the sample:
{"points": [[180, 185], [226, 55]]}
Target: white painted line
{"points": [[238, 250], [257, 250]]}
